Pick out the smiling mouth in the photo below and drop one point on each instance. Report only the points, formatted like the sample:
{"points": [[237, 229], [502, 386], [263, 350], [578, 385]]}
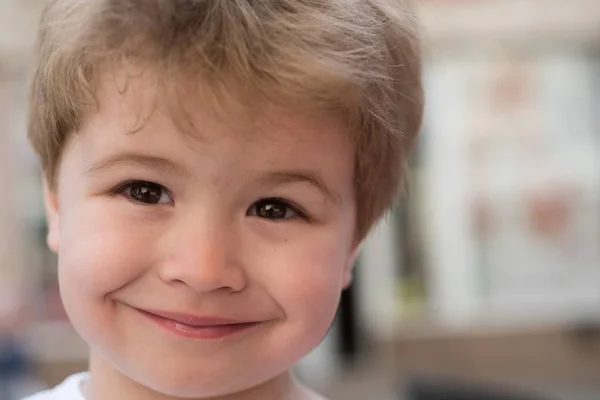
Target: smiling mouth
{"points": [[200, 327]]}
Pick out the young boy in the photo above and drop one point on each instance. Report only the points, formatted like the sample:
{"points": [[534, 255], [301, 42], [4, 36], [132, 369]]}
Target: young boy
{"points": [[211, 167]]}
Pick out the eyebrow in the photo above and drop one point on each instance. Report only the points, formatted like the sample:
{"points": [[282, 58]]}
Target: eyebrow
{"points": [[163, 165], [309, 177], [156, 163]]}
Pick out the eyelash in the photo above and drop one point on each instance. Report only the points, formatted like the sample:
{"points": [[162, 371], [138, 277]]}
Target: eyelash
{"points": [[299, 213], [127, 185], [122, 189]]}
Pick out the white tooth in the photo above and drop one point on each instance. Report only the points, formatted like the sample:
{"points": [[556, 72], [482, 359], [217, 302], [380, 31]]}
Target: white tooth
{"points": [[185, 328]]}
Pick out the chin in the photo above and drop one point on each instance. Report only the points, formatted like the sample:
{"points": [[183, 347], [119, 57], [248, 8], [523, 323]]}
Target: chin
{"points": [[194, 384], [188, 387]]}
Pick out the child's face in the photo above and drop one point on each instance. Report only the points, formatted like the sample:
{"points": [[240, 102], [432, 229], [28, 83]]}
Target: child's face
{"points": [[223, 226]]}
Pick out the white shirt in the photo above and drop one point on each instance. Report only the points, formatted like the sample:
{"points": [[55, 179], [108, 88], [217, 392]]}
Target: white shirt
{"points": [[70, 389]]}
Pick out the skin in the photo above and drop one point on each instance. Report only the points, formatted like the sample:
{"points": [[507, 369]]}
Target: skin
{"points": [[207, 243]]}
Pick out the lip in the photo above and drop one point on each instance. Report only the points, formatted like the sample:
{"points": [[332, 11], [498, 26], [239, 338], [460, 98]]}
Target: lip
{"points": [[200, 327]]}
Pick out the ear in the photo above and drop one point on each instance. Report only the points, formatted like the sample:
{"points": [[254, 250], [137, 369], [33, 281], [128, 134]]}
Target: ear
{"points": [[349, 268], [52, 218]]}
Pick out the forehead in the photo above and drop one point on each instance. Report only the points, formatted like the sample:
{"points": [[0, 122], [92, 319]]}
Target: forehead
{"points": [[138, 115], [197, 111]]}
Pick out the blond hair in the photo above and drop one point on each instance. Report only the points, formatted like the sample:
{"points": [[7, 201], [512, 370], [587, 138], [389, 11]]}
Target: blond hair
{"points": [[358, 57]]}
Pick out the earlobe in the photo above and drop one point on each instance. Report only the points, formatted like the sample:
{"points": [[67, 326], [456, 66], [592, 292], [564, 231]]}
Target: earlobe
{"points": [[52, 218], [349, 270], [348, 277]]}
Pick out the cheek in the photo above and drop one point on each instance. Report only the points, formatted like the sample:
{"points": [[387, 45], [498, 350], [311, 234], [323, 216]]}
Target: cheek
{"points": [[305, 278], [100, 251]]}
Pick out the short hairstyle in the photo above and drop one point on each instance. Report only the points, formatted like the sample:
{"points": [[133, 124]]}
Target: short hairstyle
{"points": [[360, 58]]}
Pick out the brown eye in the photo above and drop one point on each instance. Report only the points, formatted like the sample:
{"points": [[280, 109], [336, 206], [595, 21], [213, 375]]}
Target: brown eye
{"points": [[273, 209], [147, 193]]}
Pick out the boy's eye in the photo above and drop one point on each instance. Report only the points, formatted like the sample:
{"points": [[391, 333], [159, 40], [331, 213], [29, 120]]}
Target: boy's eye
{"points": [[146, 193], [274, 209]]}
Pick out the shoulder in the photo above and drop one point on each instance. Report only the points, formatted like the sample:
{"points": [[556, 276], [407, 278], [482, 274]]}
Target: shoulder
{"points": [[314, 396], [308, 395], [304, 393], [69, 389]]}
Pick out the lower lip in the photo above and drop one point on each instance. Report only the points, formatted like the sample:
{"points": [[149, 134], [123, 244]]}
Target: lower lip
{"points": [[216, 332]]}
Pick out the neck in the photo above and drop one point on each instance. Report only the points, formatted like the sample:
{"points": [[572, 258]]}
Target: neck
{"points": [[107, 382]]}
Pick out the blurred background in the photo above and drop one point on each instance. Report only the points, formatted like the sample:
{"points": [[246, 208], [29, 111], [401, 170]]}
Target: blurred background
{"points": [[483, 284]]}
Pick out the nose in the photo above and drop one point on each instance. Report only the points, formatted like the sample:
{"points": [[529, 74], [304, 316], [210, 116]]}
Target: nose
{"points": [[204, 256]]}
